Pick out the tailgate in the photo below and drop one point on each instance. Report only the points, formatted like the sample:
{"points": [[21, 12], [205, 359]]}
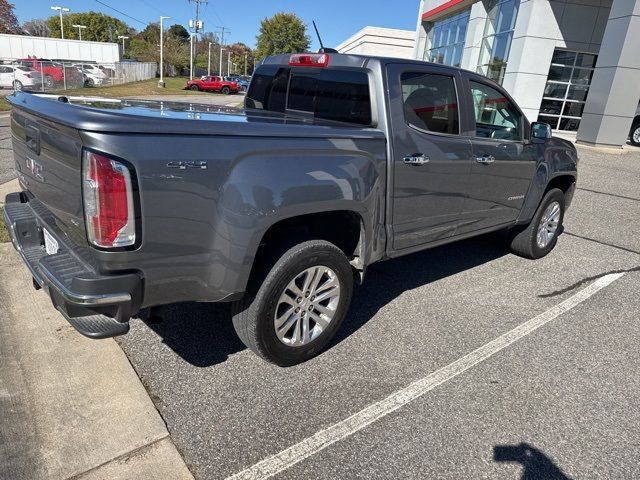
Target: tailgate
{"points": [[48, 160]]}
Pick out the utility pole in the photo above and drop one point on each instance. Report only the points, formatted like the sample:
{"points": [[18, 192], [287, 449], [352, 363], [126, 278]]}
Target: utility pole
{"points": [[209, 61], [80, 28], [61, 9], [222, 31], [161, 81], [195, 25]]}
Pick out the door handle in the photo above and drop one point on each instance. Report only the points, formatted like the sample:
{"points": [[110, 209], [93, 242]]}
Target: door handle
{"points": [[416, 159], [485, 159]]}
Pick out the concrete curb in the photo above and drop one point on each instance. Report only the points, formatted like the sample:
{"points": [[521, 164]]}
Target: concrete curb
{"points": [[70, 407]]}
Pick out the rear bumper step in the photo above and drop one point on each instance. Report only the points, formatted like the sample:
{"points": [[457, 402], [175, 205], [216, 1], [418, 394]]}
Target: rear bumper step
{"points": [[97, 305]]}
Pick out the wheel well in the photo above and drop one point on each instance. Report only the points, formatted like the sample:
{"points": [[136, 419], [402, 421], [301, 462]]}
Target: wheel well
{"points": [[562, 182], [342, 228]]}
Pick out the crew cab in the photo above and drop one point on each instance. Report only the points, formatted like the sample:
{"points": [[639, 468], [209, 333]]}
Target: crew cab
{"points": [[335, 163], [210, 83]]}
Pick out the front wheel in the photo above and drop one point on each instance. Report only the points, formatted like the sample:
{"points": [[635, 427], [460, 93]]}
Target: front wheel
{"points": [[635, 135], [225, 90], [299, 306], [194, 88], [539, 237]]}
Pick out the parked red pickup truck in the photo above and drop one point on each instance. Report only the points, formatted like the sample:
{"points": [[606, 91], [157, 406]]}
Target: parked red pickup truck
{"points": [[212, 84], [53, 72]]}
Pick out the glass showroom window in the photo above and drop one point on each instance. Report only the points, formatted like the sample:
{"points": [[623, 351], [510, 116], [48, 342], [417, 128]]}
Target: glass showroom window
{"points": [[566, 90], [445, 39], [496, 43]]}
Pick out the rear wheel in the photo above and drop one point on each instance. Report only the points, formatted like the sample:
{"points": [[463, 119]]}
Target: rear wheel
{"points": [[17, 85], [540, 237], [48, 81], [194, 87], [298, 308], [225, 90], [635, 134]]}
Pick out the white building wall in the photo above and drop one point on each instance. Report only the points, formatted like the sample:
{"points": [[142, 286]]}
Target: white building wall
{"points": [[21, 46], [541, 27], [384, 42]]}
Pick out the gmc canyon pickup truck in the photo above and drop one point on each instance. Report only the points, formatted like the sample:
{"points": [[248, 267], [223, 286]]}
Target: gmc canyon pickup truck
{"points": [[336, 162]]}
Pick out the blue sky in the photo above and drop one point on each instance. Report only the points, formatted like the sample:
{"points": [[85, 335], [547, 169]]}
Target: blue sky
{"points": [[336, 19]]}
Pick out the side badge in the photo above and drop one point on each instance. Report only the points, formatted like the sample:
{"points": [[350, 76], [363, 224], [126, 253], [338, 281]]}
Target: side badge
{"points": [[185, 165]]}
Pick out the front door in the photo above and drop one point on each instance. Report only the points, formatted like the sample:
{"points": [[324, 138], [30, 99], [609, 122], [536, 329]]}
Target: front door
{"points": [[503, 165], [431, 161]]}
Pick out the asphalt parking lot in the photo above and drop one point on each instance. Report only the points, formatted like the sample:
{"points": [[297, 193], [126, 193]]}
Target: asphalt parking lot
{"points": [[558, 402]]}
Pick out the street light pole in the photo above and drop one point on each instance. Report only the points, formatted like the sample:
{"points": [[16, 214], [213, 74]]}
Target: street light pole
{"points": [[246, 56], [229, 62], [80, 28], [161, 81], [60, 10], [191, 57], [123, 37], [209, 61]]}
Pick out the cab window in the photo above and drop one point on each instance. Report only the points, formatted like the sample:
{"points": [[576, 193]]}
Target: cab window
{"points": [[430, 102], [496, 117]]}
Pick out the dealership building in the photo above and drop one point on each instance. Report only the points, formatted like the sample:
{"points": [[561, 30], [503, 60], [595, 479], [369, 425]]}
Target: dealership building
{"points": [[572, 63]]}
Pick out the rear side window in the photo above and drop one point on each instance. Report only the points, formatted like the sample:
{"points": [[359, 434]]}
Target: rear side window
{"points": [[430, 102], [331, 94]]}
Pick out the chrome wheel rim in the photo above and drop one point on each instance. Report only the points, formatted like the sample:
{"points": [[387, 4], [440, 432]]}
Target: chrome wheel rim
{"points": [[636, 135], [548, 225], [307, 306]]}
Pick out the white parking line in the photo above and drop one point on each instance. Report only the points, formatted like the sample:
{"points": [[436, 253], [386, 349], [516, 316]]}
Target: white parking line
{"points": [[309, 446]]}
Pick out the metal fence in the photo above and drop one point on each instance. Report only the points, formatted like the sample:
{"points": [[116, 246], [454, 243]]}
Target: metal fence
{"points": [[50, 75]]}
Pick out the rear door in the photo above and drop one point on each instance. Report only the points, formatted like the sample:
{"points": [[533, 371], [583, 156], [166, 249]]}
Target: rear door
{"points": [[503, 164], [431, 160], [6, 76]]}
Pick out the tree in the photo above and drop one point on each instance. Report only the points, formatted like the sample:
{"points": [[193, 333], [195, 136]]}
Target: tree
{"points": [[282, 33], [100, 27], [37, 27], [179, 32], [239, 54], [8, 20]]}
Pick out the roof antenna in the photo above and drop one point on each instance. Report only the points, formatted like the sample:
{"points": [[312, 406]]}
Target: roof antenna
{"points": [[322, 49]]}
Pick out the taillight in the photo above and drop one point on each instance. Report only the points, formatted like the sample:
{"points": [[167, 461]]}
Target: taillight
{"points": [[309, 60], [108, 201], [28, 75]]}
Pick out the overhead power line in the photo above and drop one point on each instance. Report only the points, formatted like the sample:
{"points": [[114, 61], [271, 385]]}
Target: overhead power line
{"points": [[121, 13]]}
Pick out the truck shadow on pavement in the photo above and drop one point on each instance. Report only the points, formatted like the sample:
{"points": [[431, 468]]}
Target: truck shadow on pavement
{"points": [[535, 464], [203, 335]]}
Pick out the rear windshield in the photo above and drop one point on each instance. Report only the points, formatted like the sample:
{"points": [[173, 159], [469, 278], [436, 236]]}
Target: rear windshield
{"points": [[332, 94]]}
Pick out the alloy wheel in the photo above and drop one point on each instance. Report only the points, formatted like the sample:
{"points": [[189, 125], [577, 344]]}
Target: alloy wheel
{"points": [[548, 225], [307, 306]]}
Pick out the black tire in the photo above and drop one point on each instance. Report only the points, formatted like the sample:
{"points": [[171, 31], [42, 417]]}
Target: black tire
{"points": [[225, 90], [48, 81], [194, 87], [254, 315], [524, 240], [634, 136]]}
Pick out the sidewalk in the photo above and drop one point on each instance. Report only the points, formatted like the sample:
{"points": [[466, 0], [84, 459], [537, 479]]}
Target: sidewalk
{"points": [[70, 407]]}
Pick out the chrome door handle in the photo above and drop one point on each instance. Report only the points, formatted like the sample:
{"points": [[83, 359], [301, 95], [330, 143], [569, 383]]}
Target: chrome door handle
{"points": [[486, 159], [416, 159]]}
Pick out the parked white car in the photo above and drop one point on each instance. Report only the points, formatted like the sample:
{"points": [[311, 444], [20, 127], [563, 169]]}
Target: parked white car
{"points": [[19, 77], [91, 79]]}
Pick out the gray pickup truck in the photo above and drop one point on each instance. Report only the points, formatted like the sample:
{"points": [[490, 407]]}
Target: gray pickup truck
{"points": [[336, 162]]}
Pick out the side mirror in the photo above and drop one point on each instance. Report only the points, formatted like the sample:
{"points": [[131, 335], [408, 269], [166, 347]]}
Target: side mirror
{"points": [[540, 131]]}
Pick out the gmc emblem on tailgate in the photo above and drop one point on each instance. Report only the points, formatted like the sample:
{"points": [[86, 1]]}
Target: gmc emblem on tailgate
{"points": [[35, 168]]}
